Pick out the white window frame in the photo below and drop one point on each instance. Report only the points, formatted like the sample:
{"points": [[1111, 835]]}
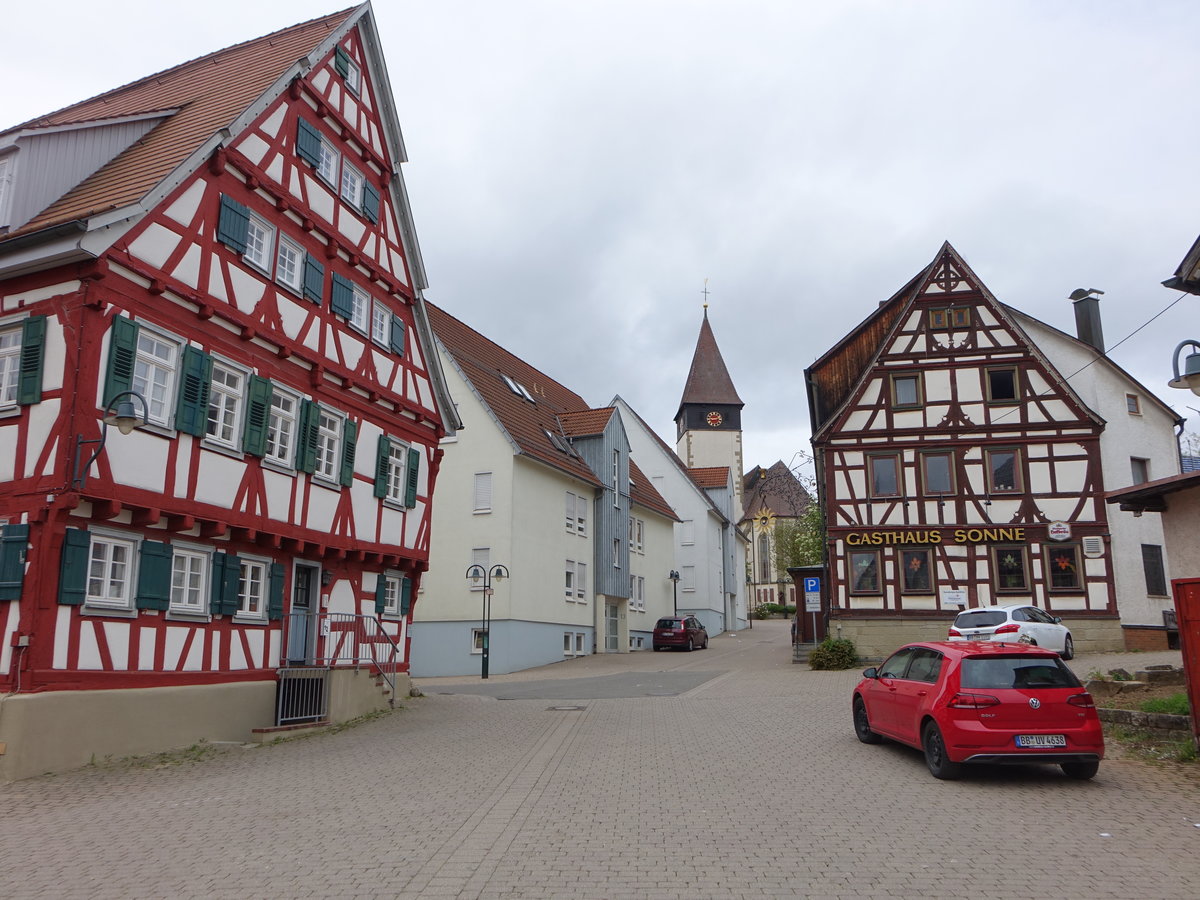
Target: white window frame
{"points": [[353, 77], [328, 163], [581, 584], [10, 365], [397, 472], [392, 588], [264, 585], [477, 641], [202, 558], [482, 494], [281, 428], [616, 553], [228, 404], [160, 401], [580, 645], [350, 186], [360, 309], [329, 443], [260, 244], [294, 264], [569, 581], [132, 546], [381, 324], [568, 643]]}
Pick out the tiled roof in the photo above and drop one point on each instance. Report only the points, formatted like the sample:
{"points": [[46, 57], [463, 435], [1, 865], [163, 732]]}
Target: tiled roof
{"points": [[586, 422], [776, 489], [710, 476], [209, 93], [708, 380]]}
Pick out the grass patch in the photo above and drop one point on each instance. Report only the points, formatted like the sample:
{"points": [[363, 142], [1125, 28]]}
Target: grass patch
{"points": [[1174, 705], [1149, 746]]}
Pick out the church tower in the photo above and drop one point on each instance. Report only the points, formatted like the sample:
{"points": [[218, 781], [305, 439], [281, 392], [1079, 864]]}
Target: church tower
{"points": [[708, 426]]}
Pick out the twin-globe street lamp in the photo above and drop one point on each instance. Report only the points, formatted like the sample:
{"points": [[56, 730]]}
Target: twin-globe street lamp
{"points": [[475, 574]]}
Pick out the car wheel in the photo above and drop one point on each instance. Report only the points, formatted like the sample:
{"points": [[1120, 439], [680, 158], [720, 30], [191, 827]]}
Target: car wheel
{"points": [[936, 758], [704, 646], [1081, 771], [690, 646], [1068, 648], [862, 725]]}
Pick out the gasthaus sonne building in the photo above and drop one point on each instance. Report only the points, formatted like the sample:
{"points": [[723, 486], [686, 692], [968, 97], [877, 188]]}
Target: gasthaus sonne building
{"points": [[963, 450], [221, 256]]}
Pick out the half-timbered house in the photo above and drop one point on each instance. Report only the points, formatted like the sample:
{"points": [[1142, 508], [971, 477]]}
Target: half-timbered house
{"points": [[963, 450], [221, 257]]}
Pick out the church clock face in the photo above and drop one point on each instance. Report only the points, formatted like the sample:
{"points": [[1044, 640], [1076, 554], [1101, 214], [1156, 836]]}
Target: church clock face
{"points": [[714, 419]]}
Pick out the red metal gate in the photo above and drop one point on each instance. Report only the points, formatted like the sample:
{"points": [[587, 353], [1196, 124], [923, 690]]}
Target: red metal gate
{"points": [[1187, 613]]}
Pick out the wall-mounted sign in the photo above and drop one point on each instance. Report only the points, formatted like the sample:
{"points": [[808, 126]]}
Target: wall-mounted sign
{"points": [[954, 597], [1059, 531], [930, 536]]}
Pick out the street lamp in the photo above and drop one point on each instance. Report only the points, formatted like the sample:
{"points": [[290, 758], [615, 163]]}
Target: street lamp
{"points": [[1190, 379], [674, 576], [487, 575], [118, 411]]}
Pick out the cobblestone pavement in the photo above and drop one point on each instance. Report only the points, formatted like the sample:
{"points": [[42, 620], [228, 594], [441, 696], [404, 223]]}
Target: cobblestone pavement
{"points": [[747, 782]]}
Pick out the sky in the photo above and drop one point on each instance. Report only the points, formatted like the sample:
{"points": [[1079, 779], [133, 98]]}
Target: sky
{"points": [[579, 168]]}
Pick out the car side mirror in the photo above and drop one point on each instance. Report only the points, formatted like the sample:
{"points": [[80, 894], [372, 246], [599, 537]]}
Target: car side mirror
{"points": [[1058, 620], [871, 672]]}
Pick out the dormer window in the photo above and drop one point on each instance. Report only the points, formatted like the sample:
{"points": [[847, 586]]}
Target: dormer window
{"points": [[519, 389]]}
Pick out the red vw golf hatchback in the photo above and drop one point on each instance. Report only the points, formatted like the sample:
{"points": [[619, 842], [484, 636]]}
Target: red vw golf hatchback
{"points": [[980, 702]]}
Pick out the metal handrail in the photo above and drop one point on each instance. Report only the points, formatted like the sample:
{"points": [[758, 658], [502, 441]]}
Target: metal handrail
{"points": [[354, 639]]}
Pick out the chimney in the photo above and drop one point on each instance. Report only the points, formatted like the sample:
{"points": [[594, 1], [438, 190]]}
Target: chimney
{"points": [[1087, 317]]}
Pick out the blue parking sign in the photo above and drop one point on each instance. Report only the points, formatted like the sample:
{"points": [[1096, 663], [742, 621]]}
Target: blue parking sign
{"points": [[812, 585]]}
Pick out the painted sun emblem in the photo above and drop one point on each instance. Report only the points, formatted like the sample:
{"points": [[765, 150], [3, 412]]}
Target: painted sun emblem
{"points": [[714, 419]]}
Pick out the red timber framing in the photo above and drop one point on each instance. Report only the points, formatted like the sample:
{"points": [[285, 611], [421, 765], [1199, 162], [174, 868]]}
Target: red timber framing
{"points": [[268, 307], [948, 448]]}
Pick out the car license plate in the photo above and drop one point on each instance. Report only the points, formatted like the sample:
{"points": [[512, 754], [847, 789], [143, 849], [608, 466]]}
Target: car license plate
{"points": [[1041, 740]]}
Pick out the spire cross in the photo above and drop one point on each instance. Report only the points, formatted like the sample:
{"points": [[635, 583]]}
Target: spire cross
{"points": [[705, 293]]}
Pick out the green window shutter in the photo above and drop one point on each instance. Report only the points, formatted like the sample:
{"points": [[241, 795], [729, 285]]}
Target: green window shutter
{"points": [[13, 542], [258, 411], [349, 446], [73, 574], [342, 296], [414, 465], [370, 202], [381, 595], [233, 224], [341, 61], [382, 460], [122, 351], [275, 597], [33, 352], [398, 333], [195, 378], [223, 591], [154, 576], [405, 596], [306, 443], [314, 279], [308, 141]]}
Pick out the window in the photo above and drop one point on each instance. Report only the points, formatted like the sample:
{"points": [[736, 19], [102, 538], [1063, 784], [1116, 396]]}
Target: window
{"points": [[1140, 468], [764, 557], [959, 317], [477, 639], [915, 572], [517, 388], [480, 556], [1003, 472], [885, 475], [1062, 567], [896, 665], [1133, 404], [864, 572], [352, 185], [353, 78], [252, 589], [1152, 565], [938, 473], [906, 390], [637, 592], [360, 306], [574, 643], [577, 509], [1002, 385], [329, 444], [580, 580], [10, 365], [924, 665], [381, 324], [1009, 566], [391, 595], [154, 375], [616, 553], [289, 265], [483, 492], [225, 405], [189, 584], [259, 239], [110, 572], [281, 427], [397, 474], [616, 479], [569, 584], [639, 535], [327, 162]]}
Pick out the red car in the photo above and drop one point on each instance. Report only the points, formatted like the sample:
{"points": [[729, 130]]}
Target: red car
{"points": [[980, 702], [682, 632]]}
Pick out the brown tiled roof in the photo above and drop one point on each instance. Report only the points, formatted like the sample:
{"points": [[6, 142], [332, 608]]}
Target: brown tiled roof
{"points": [[710, 476], [209, 93], [776, 489], [708, 380], [586, 422]]}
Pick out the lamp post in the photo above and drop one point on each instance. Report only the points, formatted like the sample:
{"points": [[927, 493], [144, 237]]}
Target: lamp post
{"points": [[1190, 378], [475, 574], [674, 576], [118, 411]]}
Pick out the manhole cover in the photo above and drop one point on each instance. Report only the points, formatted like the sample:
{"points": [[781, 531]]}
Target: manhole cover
{"points": [[566, 708]]}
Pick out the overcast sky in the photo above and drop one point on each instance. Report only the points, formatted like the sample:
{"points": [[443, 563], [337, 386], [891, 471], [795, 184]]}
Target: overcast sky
{"points": [[579, 167]]}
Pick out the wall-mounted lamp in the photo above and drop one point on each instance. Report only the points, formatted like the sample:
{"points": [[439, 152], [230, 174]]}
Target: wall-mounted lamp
{"points": [[1190, 379], [119, 411]]}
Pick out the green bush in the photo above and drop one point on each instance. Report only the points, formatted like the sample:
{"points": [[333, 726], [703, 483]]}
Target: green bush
{"points": [[1175, 705], [767, 610], [789, 611], [833, 653]]}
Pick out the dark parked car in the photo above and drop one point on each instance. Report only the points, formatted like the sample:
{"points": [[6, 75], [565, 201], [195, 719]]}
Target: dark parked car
{"points": [[980, 702], [680, 631]]}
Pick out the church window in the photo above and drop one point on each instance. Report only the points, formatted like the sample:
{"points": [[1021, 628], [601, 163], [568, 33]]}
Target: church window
{"points": [[764, 558]]}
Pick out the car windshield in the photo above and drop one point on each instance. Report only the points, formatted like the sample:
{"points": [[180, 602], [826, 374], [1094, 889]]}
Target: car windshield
{"points": [[1017, 671], [668, 623], [980, 618]]}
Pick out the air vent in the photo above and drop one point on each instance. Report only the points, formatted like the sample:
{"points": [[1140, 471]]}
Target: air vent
{"points": [[1093, 547]]}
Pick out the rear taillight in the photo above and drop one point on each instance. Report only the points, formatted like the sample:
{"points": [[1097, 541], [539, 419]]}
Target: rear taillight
{"points": [[1084, 700], [954, 632], [972, 701], [1008, 628]]}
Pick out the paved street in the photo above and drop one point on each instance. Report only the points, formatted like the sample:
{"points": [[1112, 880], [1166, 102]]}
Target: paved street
{"points": [[728, 772]]}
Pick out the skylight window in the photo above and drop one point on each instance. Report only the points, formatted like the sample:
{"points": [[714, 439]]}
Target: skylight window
{"points": [[519, 389]]}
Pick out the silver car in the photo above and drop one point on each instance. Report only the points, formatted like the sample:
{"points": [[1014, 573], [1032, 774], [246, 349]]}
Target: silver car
{"points": [[1018, 624]]}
